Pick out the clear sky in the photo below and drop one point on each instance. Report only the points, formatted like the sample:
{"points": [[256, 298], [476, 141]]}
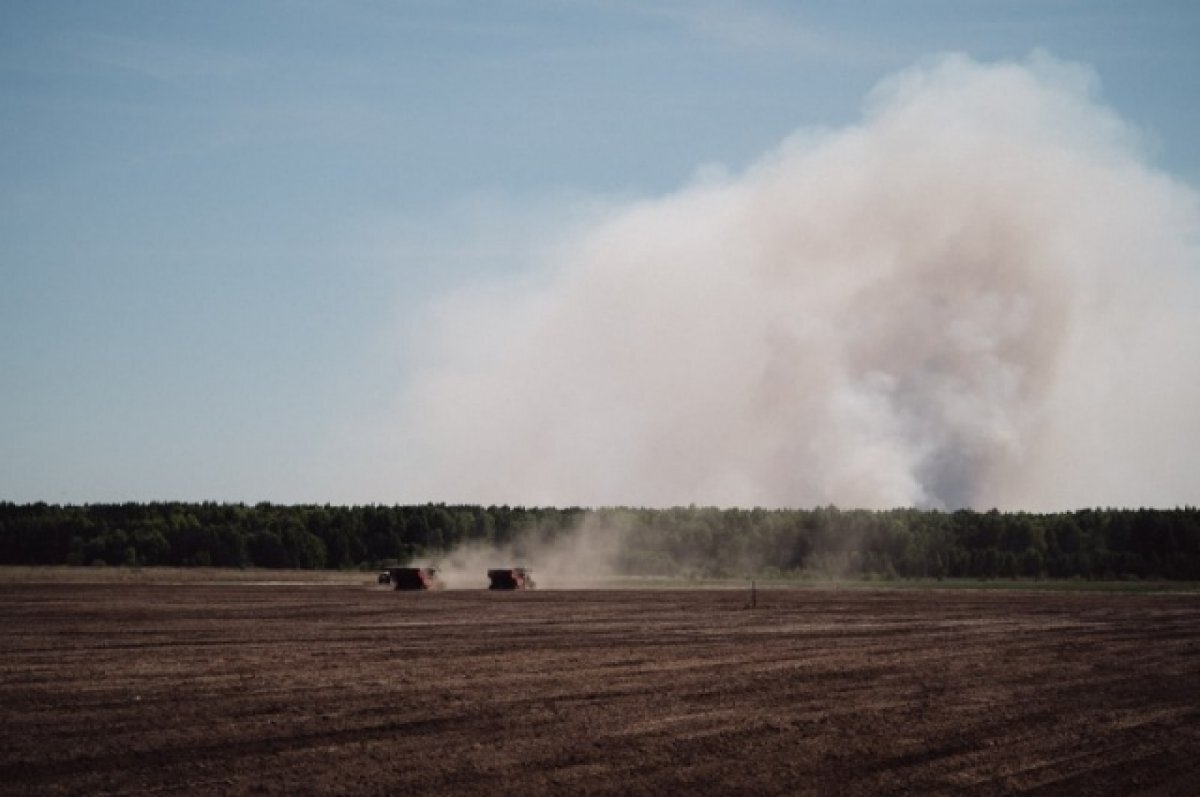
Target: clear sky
{"points": [[222, 224]]}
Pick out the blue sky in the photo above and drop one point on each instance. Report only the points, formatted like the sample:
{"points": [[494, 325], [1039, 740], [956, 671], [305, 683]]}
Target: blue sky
{"points": [[221, 223]]}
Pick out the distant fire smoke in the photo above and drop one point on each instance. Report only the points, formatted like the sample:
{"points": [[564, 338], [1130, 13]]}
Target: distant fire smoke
{"points": [[980, 296]]}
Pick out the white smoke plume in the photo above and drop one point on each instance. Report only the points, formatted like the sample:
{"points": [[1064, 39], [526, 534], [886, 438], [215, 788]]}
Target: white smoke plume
{"points": [[981, 295]]}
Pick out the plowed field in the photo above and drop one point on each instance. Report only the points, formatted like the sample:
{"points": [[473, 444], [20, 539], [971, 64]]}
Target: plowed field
{"points": [[287, 689]]}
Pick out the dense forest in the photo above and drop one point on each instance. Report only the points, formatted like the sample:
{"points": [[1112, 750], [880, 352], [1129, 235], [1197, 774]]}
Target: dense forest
{"points": [[686, 541]]}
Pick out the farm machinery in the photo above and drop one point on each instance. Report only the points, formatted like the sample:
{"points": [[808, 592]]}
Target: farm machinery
{"points": [[510, 578], [414, 578]]}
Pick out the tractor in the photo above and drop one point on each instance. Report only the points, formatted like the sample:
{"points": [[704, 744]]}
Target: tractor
{"points": [[409, 578], [510, 578]]}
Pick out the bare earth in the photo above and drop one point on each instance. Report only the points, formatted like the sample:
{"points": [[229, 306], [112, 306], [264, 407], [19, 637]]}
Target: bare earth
{"points": [[286, 689]]}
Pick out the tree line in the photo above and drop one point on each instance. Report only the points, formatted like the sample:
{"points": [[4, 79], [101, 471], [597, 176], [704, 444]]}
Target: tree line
{"points": [[701, 542]]}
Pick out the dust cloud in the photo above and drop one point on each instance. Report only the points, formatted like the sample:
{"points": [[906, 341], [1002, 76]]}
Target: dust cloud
{"points": [[583, 555], [981, 295]]}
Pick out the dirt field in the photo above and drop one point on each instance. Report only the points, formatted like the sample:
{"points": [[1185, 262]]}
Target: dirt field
{"points": [[286, 689]]}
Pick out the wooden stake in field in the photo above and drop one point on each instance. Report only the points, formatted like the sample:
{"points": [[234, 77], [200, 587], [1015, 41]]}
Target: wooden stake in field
{"points": [[753, 593]]}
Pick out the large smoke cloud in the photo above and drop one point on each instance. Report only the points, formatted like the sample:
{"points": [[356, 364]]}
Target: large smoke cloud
{"points": [[981, 295]]}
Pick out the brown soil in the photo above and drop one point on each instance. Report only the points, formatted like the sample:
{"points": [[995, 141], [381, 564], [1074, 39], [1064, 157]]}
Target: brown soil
{"points": [[286, 689]]}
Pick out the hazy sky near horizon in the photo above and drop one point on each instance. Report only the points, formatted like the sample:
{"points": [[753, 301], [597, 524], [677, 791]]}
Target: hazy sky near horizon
{"points": [[225, 228]]}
